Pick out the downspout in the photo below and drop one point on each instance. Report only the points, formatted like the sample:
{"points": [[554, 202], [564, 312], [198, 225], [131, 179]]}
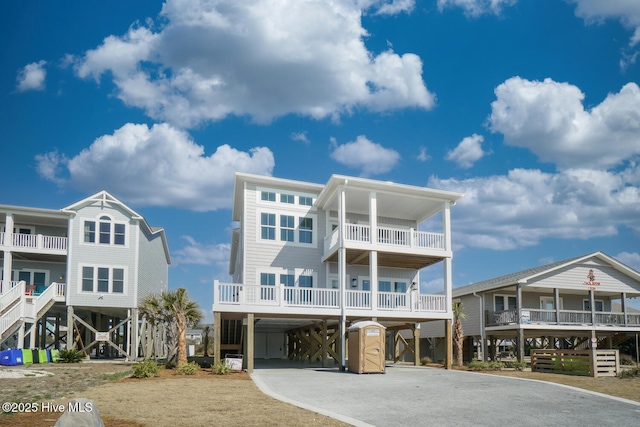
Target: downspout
{"points": [[483, 338]]}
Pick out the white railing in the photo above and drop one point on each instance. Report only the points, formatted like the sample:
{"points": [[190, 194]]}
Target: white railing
{"points": [[394, 236], [43, 299], [10, 317], [39, 241], [358, 299], [61, 289], [422, 239], [573, 317], [392, 301], [633, 319], [285, 296], [609, 318], [9, 297], [313, 297], [357, 233], [1, 237], [432, 303]]}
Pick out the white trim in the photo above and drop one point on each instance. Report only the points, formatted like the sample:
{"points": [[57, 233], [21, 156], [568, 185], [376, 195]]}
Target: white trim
{"points": [[506, 301], [125, 287], [552, 299], [296, 230], [97, 220], [277, 204], [586, 300]]}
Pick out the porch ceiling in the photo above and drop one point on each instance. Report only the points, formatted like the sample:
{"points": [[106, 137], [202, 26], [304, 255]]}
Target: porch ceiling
{"points": [[25, 256], [387, 259]]}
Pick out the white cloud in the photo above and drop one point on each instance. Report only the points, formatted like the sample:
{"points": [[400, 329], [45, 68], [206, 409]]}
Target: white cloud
{"points": [[626, 11], [259, 59], [630, 259], [160, 166], [32, 77], [370, 157], [423, 156], [549, 119], [467, 152], [204, 254], [300, 137], [476, 8], [525, 206]]}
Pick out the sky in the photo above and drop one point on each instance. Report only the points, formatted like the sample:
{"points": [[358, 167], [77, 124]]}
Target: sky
{"points": [[531, 108]]}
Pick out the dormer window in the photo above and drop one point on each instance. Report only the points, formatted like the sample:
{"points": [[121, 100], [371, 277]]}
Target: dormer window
{"points": [[109, 232]]}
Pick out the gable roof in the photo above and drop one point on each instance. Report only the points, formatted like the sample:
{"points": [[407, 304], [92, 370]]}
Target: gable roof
{"points": [[105, 197], [525, 275]]}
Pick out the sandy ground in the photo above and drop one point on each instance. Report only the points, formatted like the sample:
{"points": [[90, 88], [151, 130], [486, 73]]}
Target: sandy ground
{"points": [[201, 400]]}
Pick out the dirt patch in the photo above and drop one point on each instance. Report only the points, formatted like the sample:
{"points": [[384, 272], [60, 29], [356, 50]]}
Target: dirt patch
{"points": [[203, 399]]}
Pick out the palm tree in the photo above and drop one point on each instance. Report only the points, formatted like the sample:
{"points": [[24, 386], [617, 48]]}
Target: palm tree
{"points": [[458, 333], [176, 309], [184, 312]]}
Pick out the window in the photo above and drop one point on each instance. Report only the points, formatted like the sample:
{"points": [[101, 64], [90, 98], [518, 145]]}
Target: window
{"points": [[268, 222], [366, 284], [103, 279], [89, 231], [268, 196], [504, 302], [400, 287], [548, 303], [287, 198], [287, 280], [305, 201], [105, 230], [586, 304], [286, 228], [118, 280], [87, 279], [384, 286], [305, 282], [267, 279], [108, 232], [306, 230], [118, 234]]}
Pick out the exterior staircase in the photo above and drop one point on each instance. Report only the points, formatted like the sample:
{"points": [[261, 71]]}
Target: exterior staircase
{"points": [[17, 308]]}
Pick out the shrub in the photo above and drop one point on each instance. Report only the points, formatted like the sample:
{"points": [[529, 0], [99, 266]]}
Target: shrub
{"points": [[425, 360], [220, 368], [518, 366], [146, 369], [626, 359], [187, 368], [630, 373], [478, 365], [70, 356]]}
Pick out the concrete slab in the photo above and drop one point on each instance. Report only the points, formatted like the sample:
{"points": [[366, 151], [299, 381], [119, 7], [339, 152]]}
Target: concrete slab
{"points": [[418, 396]]}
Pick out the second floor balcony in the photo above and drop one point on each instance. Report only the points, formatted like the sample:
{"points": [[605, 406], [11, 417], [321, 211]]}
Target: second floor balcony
{"points": [[34, 243], [280, 299], [528, 316]]}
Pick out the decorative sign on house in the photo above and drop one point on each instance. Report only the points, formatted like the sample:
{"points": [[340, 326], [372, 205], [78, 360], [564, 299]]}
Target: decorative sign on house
{"points": [[102, 336], [592, 281]]}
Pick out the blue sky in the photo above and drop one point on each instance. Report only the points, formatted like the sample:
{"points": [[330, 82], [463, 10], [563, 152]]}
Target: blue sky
{"points": [[530, 108]]}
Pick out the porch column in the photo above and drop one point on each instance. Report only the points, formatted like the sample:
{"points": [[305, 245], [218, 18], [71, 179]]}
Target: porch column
{"points": [[217, 325], [7, 265], [250, 342], [134, 334], [556, 303], [518, 303], [373, 276], [623, 301], [342, 277], [325, 346], [373, 217], [448, 344], [416, 344], [520, 343], [592, 302], [448, 282], [70, 344]]}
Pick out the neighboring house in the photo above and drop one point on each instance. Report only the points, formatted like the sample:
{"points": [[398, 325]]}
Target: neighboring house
{"points": [[194, 336], [308, 258], [84, 268], [572, 304]]}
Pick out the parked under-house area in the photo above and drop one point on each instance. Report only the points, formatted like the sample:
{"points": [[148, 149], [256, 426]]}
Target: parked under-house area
{"points": [[308, 260]]}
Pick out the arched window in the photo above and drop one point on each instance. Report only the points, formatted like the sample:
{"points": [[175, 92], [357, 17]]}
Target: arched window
{"points": [[109, 232]]}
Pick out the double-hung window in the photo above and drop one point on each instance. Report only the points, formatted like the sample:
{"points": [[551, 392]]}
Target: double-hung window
{"points": [[103, 279], [287, 228], [89, 231], [106, 231], [287, 198], [305, 201], [504, 302], [268, 224], [268, 196], [306, 230]]}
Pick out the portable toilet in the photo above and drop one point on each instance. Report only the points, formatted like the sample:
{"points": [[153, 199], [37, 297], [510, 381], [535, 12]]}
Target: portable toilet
{"points": [[35, 355], [366, 347], [55, 355], [43, 357]]}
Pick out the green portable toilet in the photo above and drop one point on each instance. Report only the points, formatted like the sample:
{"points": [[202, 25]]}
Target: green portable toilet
{"points": [[27, 356], [42, 356], [55, 355]]}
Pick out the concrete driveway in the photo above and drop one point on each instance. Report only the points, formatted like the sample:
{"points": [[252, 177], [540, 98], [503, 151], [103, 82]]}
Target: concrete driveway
{"points": [[417, 396]]}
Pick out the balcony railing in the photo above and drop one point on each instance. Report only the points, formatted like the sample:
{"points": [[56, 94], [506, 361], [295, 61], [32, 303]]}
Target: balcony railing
{"points": [[565, 317], [397, 237], [284, 296], [36, 241]]}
